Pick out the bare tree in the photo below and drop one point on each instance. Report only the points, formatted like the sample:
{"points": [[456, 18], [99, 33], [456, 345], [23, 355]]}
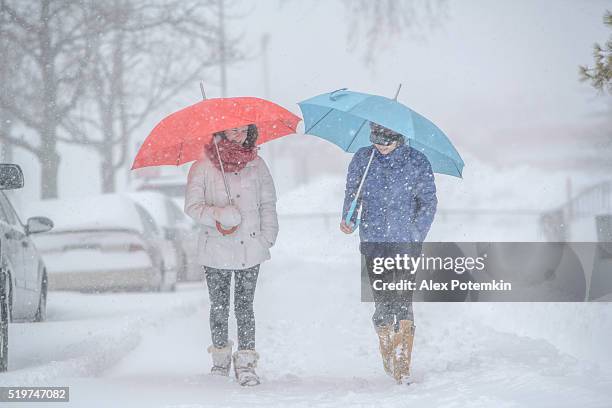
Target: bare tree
{"points": [[8, 68], [152, 52], [52, 36], [374, 24]]}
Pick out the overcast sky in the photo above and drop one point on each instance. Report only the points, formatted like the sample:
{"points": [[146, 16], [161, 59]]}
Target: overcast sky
{"points": [[491, 60], [489, 66], [489, 74]]}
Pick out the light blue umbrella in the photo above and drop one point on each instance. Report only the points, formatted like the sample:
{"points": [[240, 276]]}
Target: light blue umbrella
{"points": [[343, 117]]}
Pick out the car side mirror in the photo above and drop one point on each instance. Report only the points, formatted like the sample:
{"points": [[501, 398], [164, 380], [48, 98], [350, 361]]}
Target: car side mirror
{"points": [[36, 225], [11, 176]]}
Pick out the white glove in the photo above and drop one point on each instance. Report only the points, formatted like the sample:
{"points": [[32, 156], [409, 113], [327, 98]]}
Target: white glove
{"points": [[228, 216]]}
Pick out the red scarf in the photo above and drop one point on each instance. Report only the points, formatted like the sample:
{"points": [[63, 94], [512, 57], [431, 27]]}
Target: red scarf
{"points": [[234, 156]]}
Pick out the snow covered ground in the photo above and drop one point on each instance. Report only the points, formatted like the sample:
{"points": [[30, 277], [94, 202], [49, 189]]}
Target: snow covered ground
{"points": [[317, 346], [315, 337]]}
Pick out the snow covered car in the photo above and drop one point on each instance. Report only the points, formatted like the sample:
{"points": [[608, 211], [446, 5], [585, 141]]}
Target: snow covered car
{"points": [[23, 277], [170, 182], [103, 242], [178, 229]]}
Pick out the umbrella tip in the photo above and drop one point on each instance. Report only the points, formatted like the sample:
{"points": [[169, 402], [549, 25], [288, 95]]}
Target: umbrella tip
{"points": [[397, 92], [202, 90]]}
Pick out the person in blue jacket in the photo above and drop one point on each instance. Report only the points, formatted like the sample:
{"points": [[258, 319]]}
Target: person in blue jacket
{"points": [[398, 203]]}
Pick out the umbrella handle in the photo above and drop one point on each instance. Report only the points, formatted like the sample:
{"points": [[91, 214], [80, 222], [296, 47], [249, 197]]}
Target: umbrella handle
{"points": [[225, 231], [349, 215]]}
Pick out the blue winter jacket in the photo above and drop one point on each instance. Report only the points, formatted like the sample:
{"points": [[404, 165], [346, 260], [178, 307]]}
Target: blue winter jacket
{"points": [[398, 197]]}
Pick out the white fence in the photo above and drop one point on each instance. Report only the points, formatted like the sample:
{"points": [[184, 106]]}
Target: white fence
{"points": [[585, 217]]}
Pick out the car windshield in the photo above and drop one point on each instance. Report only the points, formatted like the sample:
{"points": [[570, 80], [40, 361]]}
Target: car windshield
{"points": [[11, 213]]}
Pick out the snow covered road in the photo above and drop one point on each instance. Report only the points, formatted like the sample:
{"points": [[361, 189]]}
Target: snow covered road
{"points": [[317, 346]]}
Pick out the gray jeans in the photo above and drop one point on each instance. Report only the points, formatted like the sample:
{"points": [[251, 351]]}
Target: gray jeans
{"points": [[390, 306], [219, 284]]}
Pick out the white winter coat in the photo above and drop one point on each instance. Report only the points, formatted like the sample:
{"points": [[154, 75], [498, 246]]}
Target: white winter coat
{"points": [[253, 192]]}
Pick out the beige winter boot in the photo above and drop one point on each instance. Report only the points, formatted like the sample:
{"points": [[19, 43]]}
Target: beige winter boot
{"points": [[245, 362], [222, 359], [402, 345], [385, 344]]}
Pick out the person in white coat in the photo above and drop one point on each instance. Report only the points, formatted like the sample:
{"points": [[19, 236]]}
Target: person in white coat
{"points": [[235, 238]]}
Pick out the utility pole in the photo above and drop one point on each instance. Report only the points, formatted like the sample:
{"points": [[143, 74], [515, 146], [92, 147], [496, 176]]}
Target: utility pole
{"points": [[570, 208], [222, 50], [271, 148], [265, 41]]}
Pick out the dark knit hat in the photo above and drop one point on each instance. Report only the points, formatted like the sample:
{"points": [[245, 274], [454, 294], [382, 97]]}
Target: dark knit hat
{"points": [[384, 136]]}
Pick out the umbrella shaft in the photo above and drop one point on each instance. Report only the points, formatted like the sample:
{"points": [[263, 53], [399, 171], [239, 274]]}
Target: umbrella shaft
{"points": [[365, 173], [349, 215], [227, 190]]}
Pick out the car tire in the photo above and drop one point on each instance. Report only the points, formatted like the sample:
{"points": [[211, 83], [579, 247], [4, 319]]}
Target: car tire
{"points": [[164, 286], [5, 317], [183, 273], [41, 312], [168, 287]]}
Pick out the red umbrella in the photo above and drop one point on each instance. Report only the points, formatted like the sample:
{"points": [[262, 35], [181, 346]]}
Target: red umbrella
{"points": [[181, 137]]}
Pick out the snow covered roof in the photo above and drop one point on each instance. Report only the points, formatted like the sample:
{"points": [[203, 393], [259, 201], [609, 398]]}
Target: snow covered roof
{"points": [[104, 211], [155, 203]]}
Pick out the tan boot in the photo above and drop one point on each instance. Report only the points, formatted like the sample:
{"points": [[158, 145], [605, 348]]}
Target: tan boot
{"points": [[385, 343], [402, 345]]}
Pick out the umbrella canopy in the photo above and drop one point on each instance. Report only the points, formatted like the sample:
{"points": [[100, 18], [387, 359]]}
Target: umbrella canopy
{"points": [[342, 117], [180, 138]]}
